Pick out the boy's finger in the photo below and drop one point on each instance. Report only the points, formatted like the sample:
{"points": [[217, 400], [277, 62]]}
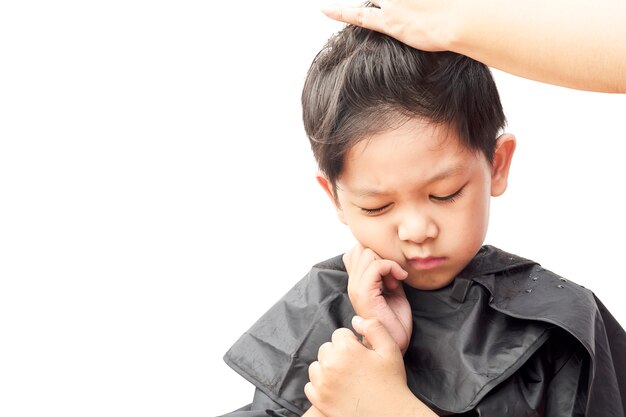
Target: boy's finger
{"points": [[366, 257], [346, 258], [391, 283], [352, 257], [360, 260], [385, 267], [397, 272], [342, 334], [375, 333], [324, 351], [314, 371], [309, 391]]}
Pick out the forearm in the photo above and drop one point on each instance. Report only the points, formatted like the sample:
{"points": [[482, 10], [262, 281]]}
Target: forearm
{"points": [[574, 43], [414, 408]]}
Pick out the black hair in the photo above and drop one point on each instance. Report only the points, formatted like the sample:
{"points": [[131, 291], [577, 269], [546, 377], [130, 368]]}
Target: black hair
{"points": [[363, 82]]}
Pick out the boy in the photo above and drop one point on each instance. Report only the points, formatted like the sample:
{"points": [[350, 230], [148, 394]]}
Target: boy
{"points": [[410, 152]]}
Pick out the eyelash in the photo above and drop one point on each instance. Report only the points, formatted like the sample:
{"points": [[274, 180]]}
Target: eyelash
{"points": [[449, 198], [446, 199], [375, 210]]}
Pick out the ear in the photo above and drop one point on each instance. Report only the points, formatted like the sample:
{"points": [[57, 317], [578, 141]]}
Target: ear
{"points": [[505, 147], [328, 188]]}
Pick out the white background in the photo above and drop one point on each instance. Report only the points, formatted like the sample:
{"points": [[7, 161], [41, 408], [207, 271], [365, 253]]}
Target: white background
{"points": [[157, 195]]}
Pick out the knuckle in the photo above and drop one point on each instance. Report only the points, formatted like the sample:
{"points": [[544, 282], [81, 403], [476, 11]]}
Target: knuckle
{"points": [[309, 391], [372, 324], [323, 349], [377, 263], [340, 336], [338, 333]]}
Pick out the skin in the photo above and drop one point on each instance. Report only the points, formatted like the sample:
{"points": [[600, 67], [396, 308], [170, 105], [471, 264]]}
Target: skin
{"points": [[571, 43], [406, 194], [339, 386]]}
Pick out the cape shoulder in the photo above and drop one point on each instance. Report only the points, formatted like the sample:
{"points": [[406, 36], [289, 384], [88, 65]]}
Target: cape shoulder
{"points": [[275, 352], [535, 293]]}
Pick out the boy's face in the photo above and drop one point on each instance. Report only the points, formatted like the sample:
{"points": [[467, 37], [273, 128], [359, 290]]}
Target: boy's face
{"points": [[414, 195]]}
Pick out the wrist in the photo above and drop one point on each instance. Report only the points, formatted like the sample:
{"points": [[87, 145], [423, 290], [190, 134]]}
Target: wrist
{"points": [[411, 406]]}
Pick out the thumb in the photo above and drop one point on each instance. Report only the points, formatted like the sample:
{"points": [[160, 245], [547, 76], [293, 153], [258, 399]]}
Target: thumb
{"points": [[375, 334]]}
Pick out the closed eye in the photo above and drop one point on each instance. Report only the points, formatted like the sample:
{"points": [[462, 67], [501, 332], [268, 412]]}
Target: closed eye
{"points": [[376, 210], [449, 198]]}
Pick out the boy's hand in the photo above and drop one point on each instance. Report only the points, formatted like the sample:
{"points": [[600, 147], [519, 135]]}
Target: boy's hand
{"points": [[350, 379], [375, 291]]}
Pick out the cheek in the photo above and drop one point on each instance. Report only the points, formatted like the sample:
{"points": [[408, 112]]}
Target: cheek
{"points": [[365, 232], [477, 216], [374, 234]]}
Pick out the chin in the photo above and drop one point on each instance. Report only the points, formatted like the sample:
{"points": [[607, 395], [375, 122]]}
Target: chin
{"points": [[428, 283]]}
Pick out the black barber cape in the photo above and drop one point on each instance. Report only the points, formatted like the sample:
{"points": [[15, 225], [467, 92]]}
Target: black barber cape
{"points": [[507, 338]]}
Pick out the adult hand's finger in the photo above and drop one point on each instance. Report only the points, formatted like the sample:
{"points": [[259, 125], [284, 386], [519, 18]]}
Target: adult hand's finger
{"points": [[367, 17]]}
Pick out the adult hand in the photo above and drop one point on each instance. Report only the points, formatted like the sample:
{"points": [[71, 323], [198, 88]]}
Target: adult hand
{"points": [[571, 43], [422, 24], [350, 379], [375, 291]]}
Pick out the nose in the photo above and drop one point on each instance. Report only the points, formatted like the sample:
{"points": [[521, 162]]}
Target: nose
{"points": [[417, 227]]}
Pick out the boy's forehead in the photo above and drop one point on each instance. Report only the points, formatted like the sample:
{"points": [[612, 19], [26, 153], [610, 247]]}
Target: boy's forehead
{"points": [[404, 157], [368, 187], [425, 137]]}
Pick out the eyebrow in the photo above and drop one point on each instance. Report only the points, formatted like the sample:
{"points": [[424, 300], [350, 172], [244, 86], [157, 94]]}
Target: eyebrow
{"points": [[447, 173]]}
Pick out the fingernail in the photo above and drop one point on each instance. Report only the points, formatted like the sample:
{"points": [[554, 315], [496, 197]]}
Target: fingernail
{"points": [[357, 321]]}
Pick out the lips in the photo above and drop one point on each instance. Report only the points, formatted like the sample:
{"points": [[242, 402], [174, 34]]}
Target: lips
{"points": [[429, 262]]}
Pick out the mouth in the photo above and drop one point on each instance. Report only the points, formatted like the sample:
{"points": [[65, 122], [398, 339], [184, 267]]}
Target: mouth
{"points": [[429, 262]]}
